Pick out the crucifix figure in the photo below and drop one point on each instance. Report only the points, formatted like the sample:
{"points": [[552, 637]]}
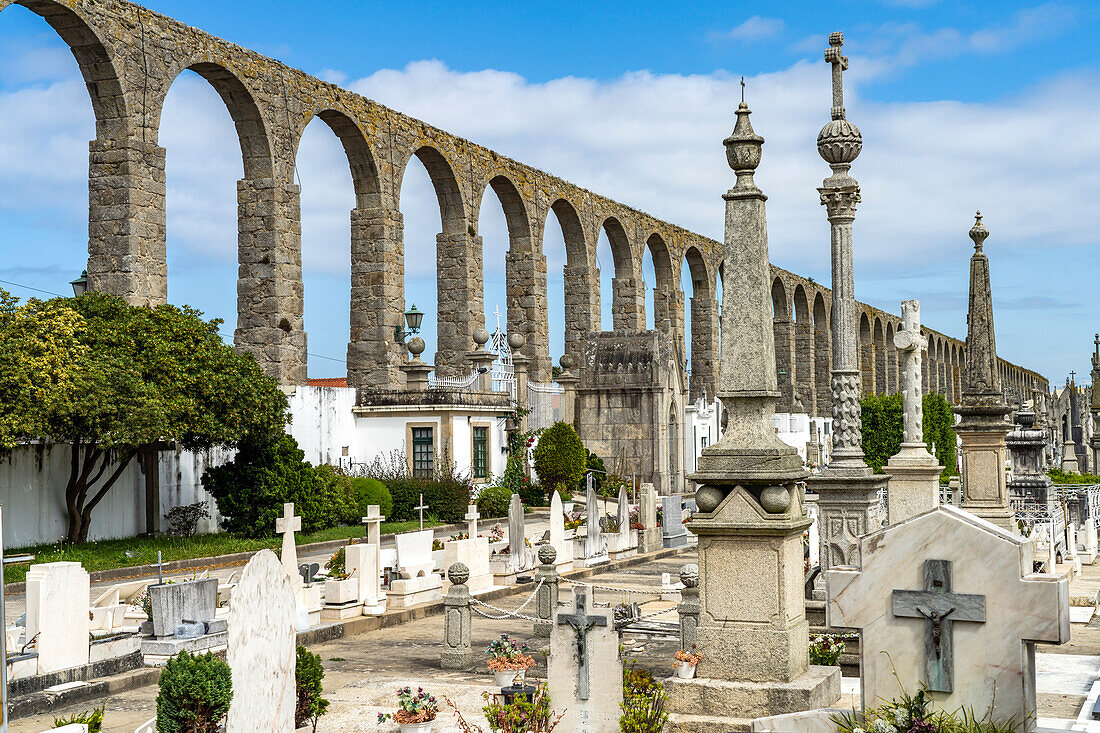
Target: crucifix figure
{"points": [[939, 608], [840, 65], [581, 623], [421, 509]]}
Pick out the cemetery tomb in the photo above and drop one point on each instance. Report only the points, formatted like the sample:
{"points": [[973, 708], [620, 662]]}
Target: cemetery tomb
{"points": [[417, 583], [584, 671]]}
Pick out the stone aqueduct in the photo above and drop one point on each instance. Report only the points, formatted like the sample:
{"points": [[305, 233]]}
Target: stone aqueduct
{"points": [[130, 56]]}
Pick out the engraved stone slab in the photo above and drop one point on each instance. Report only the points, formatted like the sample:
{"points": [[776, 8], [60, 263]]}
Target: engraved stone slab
{"points": [[262, 648], [194, 600], [673, 532], [595, 709], [57, 612]]}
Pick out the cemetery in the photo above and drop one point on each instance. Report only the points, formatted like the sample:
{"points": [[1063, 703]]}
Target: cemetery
{"points": [[900, 538]]}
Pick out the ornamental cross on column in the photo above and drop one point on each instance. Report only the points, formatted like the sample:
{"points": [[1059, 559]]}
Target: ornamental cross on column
{"points": [[839, 144], [910, 342]]}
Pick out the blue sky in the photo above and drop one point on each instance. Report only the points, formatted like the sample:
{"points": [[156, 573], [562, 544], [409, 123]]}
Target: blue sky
{"points": [[963, 105]]}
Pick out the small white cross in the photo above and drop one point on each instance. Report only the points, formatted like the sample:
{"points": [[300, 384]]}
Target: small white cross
{"points": [[159, 565], [373, 522], [498, 314], [422, 507], [471, 521], [288, 522], [287, 525]]}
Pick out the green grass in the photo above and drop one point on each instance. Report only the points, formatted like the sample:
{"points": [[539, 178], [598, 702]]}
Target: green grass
{"points": [[108, 554]]}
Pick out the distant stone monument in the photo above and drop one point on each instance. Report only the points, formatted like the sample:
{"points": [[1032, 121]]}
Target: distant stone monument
{"points": [[928, 614], [914, 472], [1095, 405], [752, 632]]}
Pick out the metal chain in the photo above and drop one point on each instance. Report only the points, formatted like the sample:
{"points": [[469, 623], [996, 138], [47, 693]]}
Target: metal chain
{"points": [[613, 589], [516, 613]]}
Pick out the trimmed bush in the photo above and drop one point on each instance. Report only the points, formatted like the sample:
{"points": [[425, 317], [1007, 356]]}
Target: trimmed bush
{"points": [[195, 692], [369, 491], [493, 501], [308, 674], [560, 458], [332, 502], [883, 429], [447, 498]]}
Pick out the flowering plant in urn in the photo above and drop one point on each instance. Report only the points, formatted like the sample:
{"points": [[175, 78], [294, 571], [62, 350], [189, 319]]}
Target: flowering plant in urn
{"points": [[418, 707], [506, 655]]}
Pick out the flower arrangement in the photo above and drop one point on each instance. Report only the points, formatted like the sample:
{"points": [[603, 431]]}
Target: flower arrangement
{"points": [[522, 715], [689, 658], [460, 536], [637, 525], [574, 520], [418, 707], [917, 714], [507, 654], [436, 545], [826, 650], [611, 524], [496, 533], [337, 570]]}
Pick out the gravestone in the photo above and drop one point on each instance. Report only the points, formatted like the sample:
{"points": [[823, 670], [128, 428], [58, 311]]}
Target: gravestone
{"points": [[1090, 539], [595, 548], [621, 542], [649, 539], [929, 614], [174, 603], [562, 547], [672, 522], [584, 671], [361, 563], [287, 525], [416, 582], [57, 612], [261, 651], [471, 518], [517, 547], [473, 554]]}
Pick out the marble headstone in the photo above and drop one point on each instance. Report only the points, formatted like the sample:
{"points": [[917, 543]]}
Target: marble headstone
{"points": [[57, 612], [929, 614], [649, 539], [361, 563], [672, 522], [174, 603], [596, 709], [595, 549], [417, 583], [261, 651], [516, 545], [564, 547], [474, 554]]}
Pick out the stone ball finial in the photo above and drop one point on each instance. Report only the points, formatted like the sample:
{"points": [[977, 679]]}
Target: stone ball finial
{"points": [[458, 573], [416, 346], [839, 142], [481, 336], [743, 146], [516, 340], [547, 554], [707, 498], [567, 362], [978, 232], [775, 499], [689, 576]]}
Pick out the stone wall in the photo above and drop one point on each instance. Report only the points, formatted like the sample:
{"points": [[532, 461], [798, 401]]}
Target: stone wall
{"points": [[130, 57]]}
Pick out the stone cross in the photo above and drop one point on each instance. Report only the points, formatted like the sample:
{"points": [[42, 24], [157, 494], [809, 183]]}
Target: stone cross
{"points": [[840, 65], [581, 623], [287, 525], [421, 509], [910, 342], [373, 521], [471, 521], [940, 609]]}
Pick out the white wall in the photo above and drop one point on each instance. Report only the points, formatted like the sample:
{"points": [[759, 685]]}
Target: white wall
{"points": [[701, 428]]}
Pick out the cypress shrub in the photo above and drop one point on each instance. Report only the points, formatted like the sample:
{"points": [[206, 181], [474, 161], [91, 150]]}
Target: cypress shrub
{"points": [[308, 674], [195, 692], [560, 458]]}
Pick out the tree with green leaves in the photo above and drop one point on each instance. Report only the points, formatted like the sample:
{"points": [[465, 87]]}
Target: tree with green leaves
{"points": [[121, 380], [883, 429], [560, 459]]}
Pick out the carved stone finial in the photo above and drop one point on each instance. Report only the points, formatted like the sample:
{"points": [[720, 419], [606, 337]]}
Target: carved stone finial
{"points": [[567, 362], [689, 575], [516, 340], [978, 232], [547, 554], [743, 149], [481, 336], [840, 142], [458, 573], [416, 346]]}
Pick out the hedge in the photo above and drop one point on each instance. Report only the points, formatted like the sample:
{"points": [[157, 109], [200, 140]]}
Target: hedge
{"points": [[883, 429], [447, 498]]}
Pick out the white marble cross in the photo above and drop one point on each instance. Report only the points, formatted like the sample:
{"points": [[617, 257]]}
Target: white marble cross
{"points": [[287, 525], [421, 508], [994, 661], [373, 521], [471, 521]]}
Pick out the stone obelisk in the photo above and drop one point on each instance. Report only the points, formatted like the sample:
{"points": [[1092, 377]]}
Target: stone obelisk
{"points": [[1095, 406], [752, 631], [848, 491], [914, 472], [1069, 446], [982, 428]]}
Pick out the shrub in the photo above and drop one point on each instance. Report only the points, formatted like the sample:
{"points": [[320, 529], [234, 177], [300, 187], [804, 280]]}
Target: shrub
{"points": [[560, 457], [308, 674], [92, 718], [493, 501], [883, 429], [371, 491], [195, 692], [267, 472], [184, 520], [332, 501], [1059, 476], [643, 703], [447, 497]]}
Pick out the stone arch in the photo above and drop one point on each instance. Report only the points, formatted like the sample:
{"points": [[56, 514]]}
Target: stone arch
{"points": [[704, 328], [822, 357], [452, 208], [582, 282], [804, 351], [627, 298], [892, 386], [515, 212], [866, 355], [667, 307], [784, 348], [361, 159], [879, 345]]}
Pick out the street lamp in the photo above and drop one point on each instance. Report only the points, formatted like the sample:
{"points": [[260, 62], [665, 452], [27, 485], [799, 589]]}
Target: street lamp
{"points": [[413, 319], [80, 285]]}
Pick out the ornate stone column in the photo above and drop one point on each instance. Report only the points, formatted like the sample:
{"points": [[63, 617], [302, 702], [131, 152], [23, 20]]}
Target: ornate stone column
{"points": [[914, 472], [689, 606], [568, 380], [481, 361], [416, 371], [1026, 445], [752, 630], [848, 491], [458, 652], [982, 428], [546, 597], [1095, 406]]}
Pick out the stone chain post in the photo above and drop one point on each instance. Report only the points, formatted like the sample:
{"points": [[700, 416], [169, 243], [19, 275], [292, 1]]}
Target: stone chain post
{"points": [[546, 599], [689, 606], [568, 380], [458, 653]]}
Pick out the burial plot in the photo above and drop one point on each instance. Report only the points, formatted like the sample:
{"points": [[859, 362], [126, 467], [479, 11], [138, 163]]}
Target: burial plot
{"points": [[584, 671], [57, 613], [417, 583], [672, 522], [929, 613]]}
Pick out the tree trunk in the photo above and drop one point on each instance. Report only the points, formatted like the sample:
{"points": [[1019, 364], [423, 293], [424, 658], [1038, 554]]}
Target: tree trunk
{"points": [[82, 479]]}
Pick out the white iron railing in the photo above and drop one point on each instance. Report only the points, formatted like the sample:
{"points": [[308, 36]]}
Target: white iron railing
{"points": [[544, 403]]}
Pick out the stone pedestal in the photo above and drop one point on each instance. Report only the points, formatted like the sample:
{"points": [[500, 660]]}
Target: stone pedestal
{"points": [[458, 652], [847, 507], [546, 597], [984, 487], [914, 483]]}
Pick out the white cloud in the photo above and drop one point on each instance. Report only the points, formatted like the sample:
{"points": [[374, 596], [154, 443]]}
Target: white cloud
{"points": [[756, 28]]}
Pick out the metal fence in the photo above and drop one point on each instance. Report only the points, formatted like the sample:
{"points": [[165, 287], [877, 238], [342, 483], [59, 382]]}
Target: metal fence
{"points": [[545, 404]]}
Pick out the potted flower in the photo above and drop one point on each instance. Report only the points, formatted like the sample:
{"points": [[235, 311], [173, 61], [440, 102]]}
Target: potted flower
{"points": [[685, 663], [825, 650], [339, 588], [508, 659], [415, 711]]}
